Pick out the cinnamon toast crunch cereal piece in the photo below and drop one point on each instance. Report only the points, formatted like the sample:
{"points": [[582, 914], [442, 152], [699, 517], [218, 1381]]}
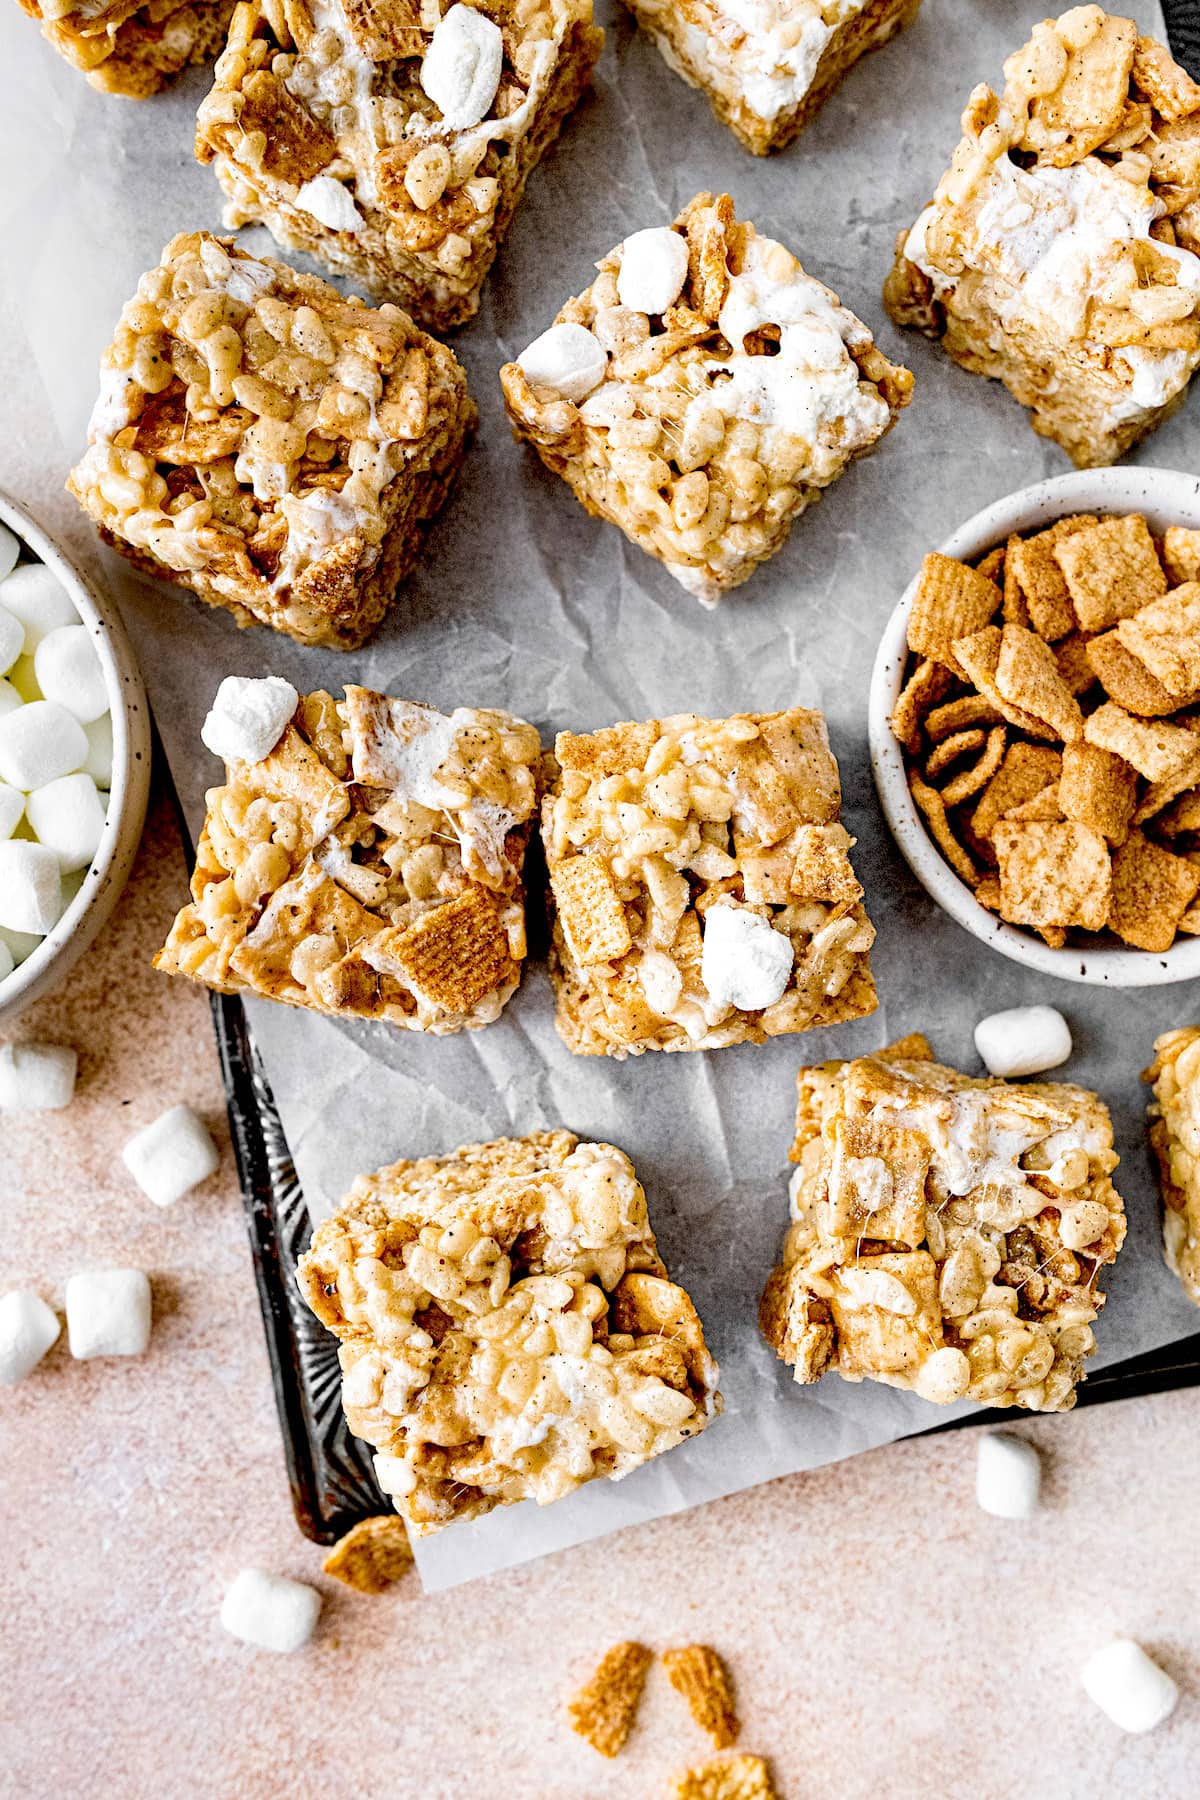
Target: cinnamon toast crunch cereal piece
{"points": [[1169, 89], [1180, 551], [966, 711], [1053, 874], [934, 807], [738, 1777], [1112, 570], [1027, 676], [967, 782], [605, 1709], [1098, 789], [1128, 681], [929, 682], [1086, 106], [1071, 658], [979, 656], [1174, 1135], [1165, 636], [951, 601], [1042, 582], [1027, 770], [1156, 750], [1152, 889], [951, 748], [372, 1555], [698, 1674]]}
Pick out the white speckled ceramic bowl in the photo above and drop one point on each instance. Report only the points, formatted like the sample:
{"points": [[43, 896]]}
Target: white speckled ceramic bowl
{"points": [[102, 884], [1166, 497]]}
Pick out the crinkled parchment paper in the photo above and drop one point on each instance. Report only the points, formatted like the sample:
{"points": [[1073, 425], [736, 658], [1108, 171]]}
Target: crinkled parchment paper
{"points": [[522, 601]]}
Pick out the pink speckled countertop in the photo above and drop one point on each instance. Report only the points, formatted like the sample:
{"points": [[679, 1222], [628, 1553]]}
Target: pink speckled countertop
{"points": [[888, 1639]]}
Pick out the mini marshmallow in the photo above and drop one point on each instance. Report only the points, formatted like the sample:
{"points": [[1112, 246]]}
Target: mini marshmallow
{"points": [[1023, 1041], [654, 266], [108, 1313], [461, 70], [39, 600], [1008, 1476], [37, 1077], [171, 1156], [68, 670], [38, 743], [270, 1611], [12, 805], [248, 717], [12, 639], [31, 896], [1129, 1686], [568, 359], [330, 202], [67, 816], [99, 762], [745, 962], [10, 549], [9, 697], [28, 1327]]}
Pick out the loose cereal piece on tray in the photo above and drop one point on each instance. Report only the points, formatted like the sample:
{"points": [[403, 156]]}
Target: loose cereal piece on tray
{"points": [[393, 141], [275, 448], [768, 68], [129, 49], [698, 1674], [369, 867], [1175, 1139], [947, 1234], [740, 1777], [701, 393], [507, 1328], [702, 887], [605, 1708], [372, 1556], [1059, 254]]}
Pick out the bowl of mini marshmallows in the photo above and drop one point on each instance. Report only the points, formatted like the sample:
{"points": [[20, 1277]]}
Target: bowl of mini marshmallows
{"points": [[74, 760]]}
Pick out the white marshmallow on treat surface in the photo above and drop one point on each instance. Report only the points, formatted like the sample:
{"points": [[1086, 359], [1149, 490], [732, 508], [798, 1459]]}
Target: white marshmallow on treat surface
{"points": [[654, 266], [1023, 1041], [568, 359], [67, 816], [1129, 1686], [745, 962], [1008, 1476], [28, 1327], [330, 202], [171, 1156], [248, 717], [68, 670], [37, 1077], [31, 896], [10, 549], [12, 638], [9, 697], [38, 743], [37, 597], [99, 734], [270, 1611], [108, 1313], [461, 69], [12, 805]]}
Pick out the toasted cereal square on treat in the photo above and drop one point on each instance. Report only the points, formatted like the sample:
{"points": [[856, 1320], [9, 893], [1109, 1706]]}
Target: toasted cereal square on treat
{"points": [[701, 886], [507, 1328], [767, 69], [369, 867], [1053, 874], [1112, 569], [1152, 889], [701, 393], [275, 448], [1175, 1139], [1010, 1215], [393, 140], [1060, 252], [129, 49]]}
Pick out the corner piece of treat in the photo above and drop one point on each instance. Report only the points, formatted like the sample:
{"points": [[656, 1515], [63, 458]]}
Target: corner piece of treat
{"points": [[128, 49], [1174, 1134]]}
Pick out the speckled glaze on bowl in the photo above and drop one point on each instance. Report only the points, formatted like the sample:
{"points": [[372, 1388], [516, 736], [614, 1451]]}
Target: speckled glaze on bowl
{"points": [[1166, 497], [101, 886]]}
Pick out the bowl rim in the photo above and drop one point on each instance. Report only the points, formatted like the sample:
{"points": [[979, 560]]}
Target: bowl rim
{"points": [[1153, 491], [129, 789]]}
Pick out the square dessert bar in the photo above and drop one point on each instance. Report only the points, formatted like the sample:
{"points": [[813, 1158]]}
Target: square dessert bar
{"points": [[369, 867], [947, 1233], [126, 48], [275, 448], [701, 393], [1175, 1140], [507, 1328], [768, 66], [393, 138], [702, 887], [1059, 254]]}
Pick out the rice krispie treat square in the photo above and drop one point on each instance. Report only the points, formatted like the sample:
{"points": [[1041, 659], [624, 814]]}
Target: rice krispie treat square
{"points": [[275, 448], [507, 1327], [1060, 253], [701, 393], [1175, 1140], [126, 48], [768, 66], [370, 866], [947, 1233], [393, 138], [701, 885]]}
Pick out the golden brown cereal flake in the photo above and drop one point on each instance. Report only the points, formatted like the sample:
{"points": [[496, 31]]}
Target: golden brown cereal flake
{"points": [[1098, 789], [934, 808], [605, 1709], [1027, 676], [979, 656], [1128, 681], [1180, 550], [698, 1674], [951, 748], [1156, 750], [967, 782], [958, 715], [1053, 874], [740, 1777], [1041, 580], [1112, 570], [1165, 636], [951, 601], [373, 1555], [1085, 107], [1170, 89], [1027, 770], [1152, 889], [929, 682]]}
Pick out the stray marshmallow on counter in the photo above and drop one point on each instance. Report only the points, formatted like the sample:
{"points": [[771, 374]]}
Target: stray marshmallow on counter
{"points": [[1008, 1476], [28, 1327], [37, 1077], [744, 961], [654, 266], [568, 359], [171, 1157], [248, 717], [108, 1313], [1023, 1041], [1129, 1686], [270, 1611], [462, 66]]}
